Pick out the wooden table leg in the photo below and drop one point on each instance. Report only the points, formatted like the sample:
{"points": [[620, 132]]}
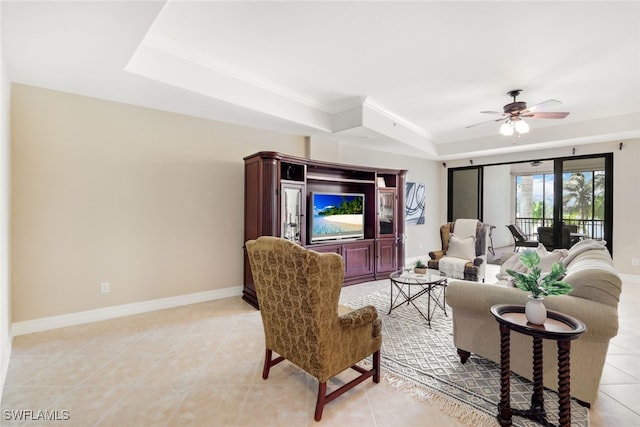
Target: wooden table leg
{"points": [[564, 386], [504, 407], [537, 398]]}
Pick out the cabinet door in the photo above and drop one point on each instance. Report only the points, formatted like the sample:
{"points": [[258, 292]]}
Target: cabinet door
{"points": [[358, 258], [334, 249], [292, 207], [386, 212], [386, 256]]}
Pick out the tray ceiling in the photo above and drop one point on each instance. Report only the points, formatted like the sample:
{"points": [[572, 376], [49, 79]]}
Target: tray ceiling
{"points": [[400, 77]]}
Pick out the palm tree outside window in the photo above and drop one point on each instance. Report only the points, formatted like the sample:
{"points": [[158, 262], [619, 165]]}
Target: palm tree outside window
{"points": [[582, 199]]}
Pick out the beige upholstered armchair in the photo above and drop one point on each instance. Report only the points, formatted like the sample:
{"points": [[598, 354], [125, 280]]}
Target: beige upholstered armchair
{"points": [[298, 291], [464, 250]]}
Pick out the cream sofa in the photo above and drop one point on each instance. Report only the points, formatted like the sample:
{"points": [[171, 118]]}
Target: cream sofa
{"points": [[594, 300]]}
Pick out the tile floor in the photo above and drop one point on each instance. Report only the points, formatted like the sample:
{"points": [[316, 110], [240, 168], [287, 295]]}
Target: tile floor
{"points": [[201, 365]]}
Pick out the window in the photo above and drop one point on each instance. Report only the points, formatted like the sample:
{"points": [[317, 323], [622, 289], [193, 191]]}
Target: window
{"points": [[539, 193], [534, 202], [583, 201]]}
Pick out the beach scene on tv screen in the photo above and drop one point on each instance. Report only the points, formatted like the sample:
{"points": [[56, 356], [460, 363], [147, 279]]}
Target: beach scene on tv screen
{"points": [[337, 214]]}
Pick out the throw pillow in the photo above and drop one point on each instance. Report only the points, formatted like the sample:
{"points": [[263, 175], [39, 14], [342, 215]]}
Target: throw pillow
{"points": [[462, 248], [550, 258], [547, 259], [511, 263], [542, 251]]}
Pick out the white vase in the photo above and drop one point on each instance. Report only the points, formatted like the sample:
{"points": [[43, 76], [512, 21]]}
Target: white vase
{"points": [[535, 311]]}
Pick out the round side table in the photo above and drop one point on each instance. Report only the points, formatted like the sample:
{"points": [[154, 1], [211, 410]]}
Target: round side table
{"points": [[433, 283], [558, 327]]}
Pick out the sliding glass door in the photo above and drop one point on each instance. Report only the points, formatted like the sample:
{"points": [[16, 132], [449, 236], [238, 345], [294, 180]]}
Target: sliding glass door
{"points": [[555, 201], [534, 195], [465, 193], [585, 206]]}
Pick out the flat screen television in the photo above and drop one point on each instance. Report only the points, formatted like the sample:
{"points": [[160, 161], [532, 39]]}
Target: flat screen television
{"points": [[336, 216]]}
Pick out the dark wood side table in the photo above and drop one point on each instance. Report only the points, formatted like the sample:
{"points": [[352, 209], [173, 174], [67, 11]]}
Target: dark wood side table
{"points": [[559, 327]]}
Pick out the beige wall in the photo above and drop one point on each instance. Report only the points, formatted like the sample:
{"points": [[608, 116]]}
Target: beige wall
{"points": [[5, 292], [151, 202], [626, 203], [148, 201], [626, 206]]}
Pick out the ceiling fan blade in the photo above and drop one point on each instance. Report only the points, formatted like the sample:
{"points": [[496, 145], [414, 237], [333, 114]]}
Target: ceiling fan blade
{"points": [[488, 121], [546, 115], [542, 104], [493, 112]]}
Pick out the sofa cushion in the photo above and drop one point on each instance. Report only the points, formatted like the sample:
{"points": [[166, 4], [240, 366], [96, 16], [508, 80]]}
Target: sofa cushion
{"points": [[592, 276], [462, 248], [547, 259], [581, 247]]}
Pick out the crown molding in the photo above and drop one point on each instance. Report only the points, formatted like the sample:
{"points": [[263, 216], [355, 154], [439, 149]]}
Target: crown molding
{"points": [[368, 102]]}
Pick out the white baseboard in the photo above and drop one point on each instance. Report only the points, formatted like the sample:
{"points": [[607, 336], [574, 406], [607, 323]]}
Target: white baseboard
{"points": [[64, 320]]}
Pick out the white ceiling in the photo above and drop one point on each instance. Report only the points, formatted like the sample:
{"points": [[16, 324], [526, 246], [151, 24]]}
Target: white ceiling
{"points": [[403, 77]]}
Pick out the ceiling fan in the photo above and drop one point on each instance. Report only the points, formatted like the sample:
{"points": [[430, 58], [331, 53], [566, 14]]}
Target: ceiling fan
{"points": [[514, 112]]}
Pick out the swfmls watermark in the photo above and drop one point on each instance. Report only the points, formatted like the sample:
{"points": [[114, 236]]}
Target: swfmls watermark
{"points": [[36, 415]]}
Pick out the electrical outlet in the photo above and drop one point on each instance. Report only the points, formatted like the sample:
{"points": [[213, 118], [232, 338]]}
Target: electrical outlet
{"points": [[104, 287], [635, 262]]}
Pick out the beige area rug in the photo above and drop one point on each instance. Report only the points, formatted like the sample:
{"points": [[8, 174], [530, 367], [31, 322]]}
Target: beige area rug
{"points": [[424, 362]]}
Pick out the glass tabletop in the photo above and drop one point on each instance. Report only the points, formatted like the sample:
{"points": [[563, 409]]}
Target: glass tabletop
{"points": [[409, 277]]}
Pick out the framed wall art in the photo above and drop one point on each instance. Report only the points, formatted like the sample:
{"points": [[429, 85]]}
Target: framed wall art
{"points": [[414, 203]]}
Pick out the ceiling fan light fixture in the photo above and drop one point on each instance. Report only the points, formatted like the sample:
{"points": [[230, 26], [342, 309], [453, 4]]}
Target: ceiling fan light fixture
{"points": [[506, 129], [514, 111], [521, 126]]}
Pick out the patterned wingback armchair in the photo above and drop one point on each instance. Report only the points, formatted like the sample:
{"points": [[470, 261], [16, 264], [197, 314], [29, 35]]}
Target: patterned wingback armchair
{"points": [[298, 291], [465, 255]]}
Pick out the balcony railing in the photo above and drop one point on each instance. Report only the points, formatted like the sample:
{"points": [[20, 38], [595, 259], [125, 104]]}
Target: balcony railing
{"points": [[591, 228]]}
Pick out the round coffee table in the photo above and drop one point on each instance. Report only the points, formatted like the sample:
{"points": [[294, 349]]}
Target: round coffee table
{"points": [[559, 327], [410, 286]]}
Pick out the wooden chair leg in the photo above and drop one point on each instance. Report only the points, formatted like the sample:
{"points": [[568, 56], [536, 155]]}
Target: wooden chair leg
{"points": [[322, 399], [268, 363], [376, 366]]}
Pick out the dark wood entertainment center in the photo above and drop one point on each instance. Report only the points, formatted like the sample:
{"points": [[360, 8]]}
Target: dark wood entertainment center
{"points": [[277, 188]]}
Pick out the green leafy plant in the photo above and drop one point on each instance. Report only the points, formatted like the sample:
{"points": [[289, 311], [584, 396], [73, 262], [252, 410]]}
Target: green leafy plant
{"points": [[550, 284], [420, 264]]}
